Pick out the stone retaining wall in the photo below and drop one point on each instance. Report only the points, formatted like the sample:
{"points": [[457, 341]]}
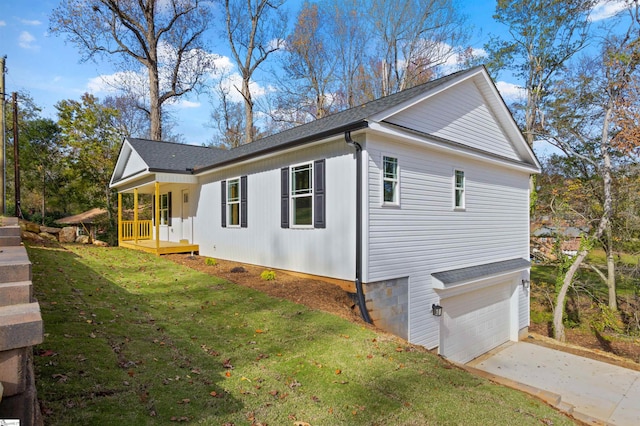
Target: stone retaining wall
{"points": [[20, 328]]}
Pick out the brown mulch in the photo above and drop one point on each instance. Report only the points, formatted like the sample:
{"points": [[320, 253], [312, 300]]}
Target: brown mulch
{"points": [[330, 298], [313, 293]]}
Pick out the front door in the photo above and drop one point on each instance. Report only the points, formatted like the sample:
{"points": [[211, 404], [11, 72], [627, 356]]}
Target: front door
{"points": [[185, 215]]}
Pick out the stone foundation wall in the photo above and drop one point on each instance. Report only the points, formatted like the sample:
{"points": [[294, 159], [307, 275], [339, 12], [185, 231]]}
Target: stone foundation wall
{"points": [[388, 305]]}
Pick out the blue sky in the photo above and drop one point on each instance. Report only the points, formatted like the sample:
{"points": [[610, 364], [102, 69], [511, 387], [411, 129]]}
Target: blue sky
{"points": [[50, 70]]}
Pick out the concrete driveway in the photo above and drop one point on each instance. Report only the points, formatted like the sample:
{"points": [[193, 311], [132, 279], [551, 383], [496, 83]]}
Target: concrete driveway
{"points": [[591, 391]]}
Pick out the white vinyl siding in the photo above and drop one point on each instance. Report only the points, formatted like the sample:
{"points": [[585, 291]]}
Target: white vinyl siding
{"points": [[460, 114], [325, 252], [425, 235], [134, 164]]}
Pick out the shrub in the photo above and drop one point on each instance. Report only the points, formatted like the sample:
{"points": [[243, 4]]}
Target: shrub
{"points": [[210, 261], [268, 275]]}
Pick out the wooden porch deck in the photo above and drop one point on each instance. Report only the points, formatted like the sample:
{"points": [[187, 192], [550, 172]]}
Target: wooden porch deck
{"points": [[166, 247]]}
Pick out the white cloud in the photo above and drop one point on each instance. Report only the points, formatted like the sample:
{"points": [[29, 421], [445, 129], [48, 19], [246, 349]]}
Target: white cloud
{"points": [[26, 40], [3, 24], [605, 9], [31, 22], [510, 92], [183, 103]]}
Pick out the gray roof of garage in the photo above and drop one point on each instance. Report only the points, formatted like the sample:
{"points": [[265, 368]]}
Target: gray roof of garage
{"points": [[454, 276]]}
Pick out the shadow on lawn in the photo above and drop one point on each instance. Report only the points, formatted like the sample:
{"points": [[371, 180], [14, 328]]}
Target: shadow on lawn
{"points": [[106, 359]]}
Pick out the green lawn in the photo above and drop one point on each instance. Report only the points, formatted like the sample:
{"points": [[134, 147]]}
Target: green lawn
{"points": [[135, 339]]}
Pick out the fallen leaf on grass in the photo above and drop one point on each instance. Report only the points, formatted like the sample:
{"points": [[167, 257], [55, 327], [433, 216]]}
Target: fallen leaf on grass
{"points": [[274, 392], [185, 401], [48, 352], [179, 419], [60, 377], [315, 398], [228, 374], [295, 384], [301, 424], [227, 363], [338, 371]]}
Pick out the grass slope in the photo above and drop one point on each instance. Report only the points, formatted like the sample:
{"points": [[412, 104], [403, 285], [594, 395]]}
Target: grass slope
{"points": [[134, 339]]}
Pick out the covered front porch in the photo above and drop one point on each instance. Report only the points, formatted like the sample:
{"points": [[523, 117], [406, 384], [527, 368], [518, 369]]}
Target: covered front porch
{"points": [[156, 235]]}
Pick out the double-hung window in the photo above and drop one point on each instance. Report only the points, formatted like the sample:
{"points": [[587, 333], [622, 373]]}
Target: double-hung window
{"points": [[233, 202], [164, 209], [302, 195], [459, 190], [390, 180]]}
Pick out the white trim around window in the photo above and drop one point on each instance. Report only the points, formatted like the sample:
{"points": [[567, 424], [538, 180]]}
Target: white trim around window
{"points": [[390, 192], [459, 189], [301, 194], [233, 202]]}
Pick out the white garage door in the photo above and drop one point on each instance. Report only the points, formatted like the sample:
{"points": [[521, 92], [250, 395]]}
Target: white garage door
{"points": [[475, 322]]}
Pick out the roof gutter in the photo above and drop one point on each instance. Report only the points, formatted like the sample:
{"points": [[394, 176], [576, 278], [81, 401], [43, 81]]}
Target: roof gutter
{"points": [[362, 305]]}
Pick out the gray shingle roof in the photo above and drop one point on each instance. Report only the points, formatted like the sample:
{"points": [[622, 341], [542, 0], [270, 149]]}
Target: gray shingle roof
{"points": [[168, 156], [175, 157], [454, 276]]}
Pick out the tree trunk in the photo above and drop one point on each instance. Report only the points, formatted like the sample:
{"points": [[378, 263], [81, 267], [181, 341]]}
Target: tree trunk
{"points": [[558, 313], [611, 271], [248, 111], [607, 208], [155, 113]]}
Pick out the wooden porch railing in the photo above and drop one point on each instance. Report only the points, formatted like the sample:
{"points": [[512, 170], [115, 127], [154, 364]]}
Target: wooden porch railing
{"points": [[129, 228]]}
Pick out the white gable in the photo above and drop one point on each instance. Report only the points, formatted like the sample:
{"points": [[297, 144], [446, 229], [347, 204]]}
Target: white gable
{"points": [[460, 114], [129, 163]]}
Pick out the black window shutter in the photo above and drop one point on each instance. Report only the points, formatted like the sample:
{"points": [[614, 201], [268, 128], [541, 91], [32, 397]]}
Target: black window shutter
{"points": [[169, 208], [284, 197], [223, 203], [243, 201], [319, 209]]}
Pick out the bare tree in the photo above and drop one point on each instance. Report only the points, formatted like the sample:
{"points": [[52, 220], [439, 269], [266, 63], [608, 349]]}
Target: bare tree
{"points": [[414, 37], [544, 35], [254, 30], [165, 37], [227, 117], [590, 123]]}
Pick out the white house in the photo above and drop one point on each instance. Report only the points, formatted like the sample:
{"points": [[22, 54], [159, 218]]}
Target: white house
{"points": [[419, 200]]}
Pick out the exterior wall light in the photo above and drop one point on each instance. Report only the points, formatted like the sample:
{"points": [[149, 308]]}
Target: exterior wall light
{"points": [[436, 310], [526, 283]]}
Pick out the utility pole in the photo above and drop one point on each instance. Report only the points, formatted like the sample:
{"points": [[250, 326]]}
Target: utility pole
{"points": [[3, 173], [16, 153]]}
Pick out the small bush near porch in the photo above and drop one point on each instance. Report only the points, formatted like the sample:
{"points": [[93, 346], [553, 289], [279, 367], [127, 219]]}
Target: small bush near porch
{"points": [[132, 338]]}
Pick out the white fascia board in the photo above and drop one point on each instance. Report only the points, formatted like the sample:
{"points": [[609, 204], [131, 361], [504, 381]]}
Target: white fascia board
{"points": [[127, 182], [433, 143]]}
